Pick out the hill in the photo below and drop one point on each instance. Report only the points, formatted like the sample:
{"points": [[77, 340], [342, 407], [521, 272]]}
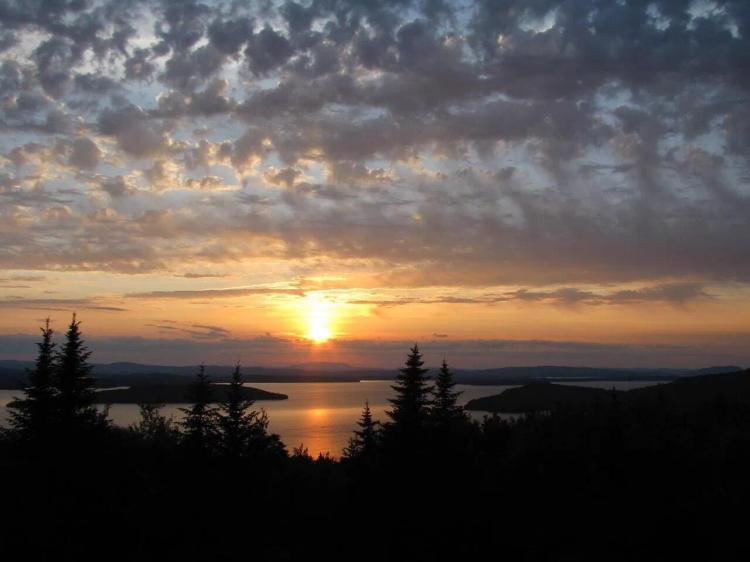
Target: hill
{"points": [[536, 397], [683, 393]]}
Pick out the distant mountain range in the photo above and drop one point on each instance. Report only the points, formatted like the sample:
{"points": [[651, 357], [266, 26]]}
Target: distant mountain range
{"points": [[12, 374]]}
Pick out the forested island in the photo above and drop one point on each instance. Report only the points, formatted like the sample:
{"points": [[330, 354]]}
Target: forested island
{"points": [[686, 393], [177, 394]]}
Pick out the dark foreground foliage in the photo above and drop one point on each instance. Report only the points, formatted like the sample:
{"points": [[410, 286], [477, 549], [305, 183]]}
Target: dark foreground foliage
{"points": [[604, 481]]}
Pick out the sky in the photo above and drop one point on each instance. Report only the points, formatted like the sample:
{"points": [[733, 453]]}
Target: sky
{"points": [[513, 182]]}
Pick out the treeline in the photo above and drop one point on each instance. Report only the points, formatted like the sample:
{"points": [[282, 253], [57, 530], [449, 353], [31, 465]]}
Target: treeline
{"points": [[58, 407], [58, 399], [606, 480]]}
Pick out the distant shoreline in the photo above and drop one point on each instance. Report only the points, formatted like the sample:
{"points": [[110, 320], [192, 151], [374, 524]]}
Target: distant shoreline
{"points": [[13, 374]]}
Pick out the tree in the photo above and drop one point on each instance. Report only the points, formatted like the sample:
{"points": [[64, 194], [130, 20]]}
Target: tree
{"points": [[153, 426], [445, 410], [262, 442], [74, 383], [199, 423], [236, 421], [32, 417], [410, 406], [362, 445]]}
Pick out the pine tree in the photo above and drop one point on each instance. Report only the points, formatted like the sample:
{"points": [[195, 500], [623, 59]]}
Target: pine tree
{"points": [[199, 424], [73, 382], [445, 410], [236, 421], [32, 417], [363, 443], [410, 407]]}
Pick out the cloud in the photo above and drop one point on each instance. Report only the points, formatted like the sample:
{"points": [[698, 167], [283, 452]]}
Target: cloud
{"points": [[668, 293], [228, 35], [202, 275], [58, 304], [138, 67], [85, 154], [54, 59], [286, 176], [25, 278], [267, 50], [546, 144], [230, 292], [197, 331], [116, 186], [135, 133], [207, 332], [673, 293]]}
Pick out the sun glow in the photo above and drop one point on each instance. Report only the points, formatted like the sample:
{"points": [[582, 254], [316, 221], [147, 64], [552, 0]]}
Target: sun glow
{"points": [[319, 318]]}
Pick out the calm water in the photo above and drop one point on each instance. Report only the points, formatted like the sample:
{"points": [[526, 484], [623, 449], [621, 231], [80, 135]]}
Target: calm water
{"points": [[319, 415]]}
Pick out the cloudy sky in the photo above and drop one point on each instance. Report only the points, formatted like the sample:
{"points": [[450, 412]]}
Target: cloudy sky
{"points": [[507, 182]]}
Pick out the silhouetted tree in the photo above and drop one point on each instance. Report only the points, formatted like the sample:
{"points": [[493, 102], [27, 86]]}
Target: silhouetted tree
{"points": [[75, 386], [301, 452], [33, 415], [153, 426], [445, 409], [199, 424], [237, 422], [410, 406], [261, 440], [364, 442]]}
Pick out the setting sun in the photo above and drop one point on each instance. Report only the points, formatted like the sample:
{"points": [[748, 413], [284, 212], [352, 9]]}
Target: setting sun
{"points": [[319, 319]]}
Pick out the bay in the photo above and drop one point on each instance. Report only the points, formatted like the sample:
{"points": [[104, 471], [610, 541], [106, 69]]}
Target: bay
{"points": [[318, 416]]}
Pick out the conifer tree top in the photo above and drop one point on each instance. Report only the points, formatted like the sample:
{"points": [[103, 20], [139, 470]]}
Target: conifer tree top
{"points": [[445, 406], [412, 392]]}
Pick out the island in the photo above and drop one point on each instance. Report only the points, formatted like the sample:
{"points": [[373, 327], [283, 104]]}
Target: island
{"points": [[175, 394], [536, 397], [682, 394]]}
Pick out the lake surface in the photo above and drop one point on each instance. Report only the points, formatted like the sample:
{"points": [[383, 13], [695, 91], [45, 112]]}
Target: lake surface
{"points": [[321, 416]]}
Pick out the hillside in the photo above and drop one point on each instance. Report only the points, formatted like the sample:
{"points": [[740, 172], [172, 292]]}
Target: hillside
{"points": [[537, 397], [683, 393]]}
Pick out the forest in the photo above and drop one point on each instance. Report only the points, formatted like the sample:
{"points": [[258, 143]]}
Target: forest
{"points": [[607, 478]]}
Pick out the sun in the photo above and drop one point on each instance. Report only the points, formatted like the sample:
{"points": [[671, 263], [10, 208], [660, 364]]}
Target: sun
{"points": [[319, 319]]}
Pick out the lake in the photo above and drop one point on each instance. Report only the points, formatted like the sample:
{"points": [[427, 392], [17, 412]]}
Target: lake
{"points": [[321, 416]]}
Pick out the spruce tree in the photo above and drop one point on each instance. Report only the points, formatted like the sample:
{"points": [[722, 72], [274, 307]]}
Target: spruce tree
{"points": [[410, 406], [74, 383], [32, 416], [199, 424], [364, 441], [236, 421], [445, 410]]}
